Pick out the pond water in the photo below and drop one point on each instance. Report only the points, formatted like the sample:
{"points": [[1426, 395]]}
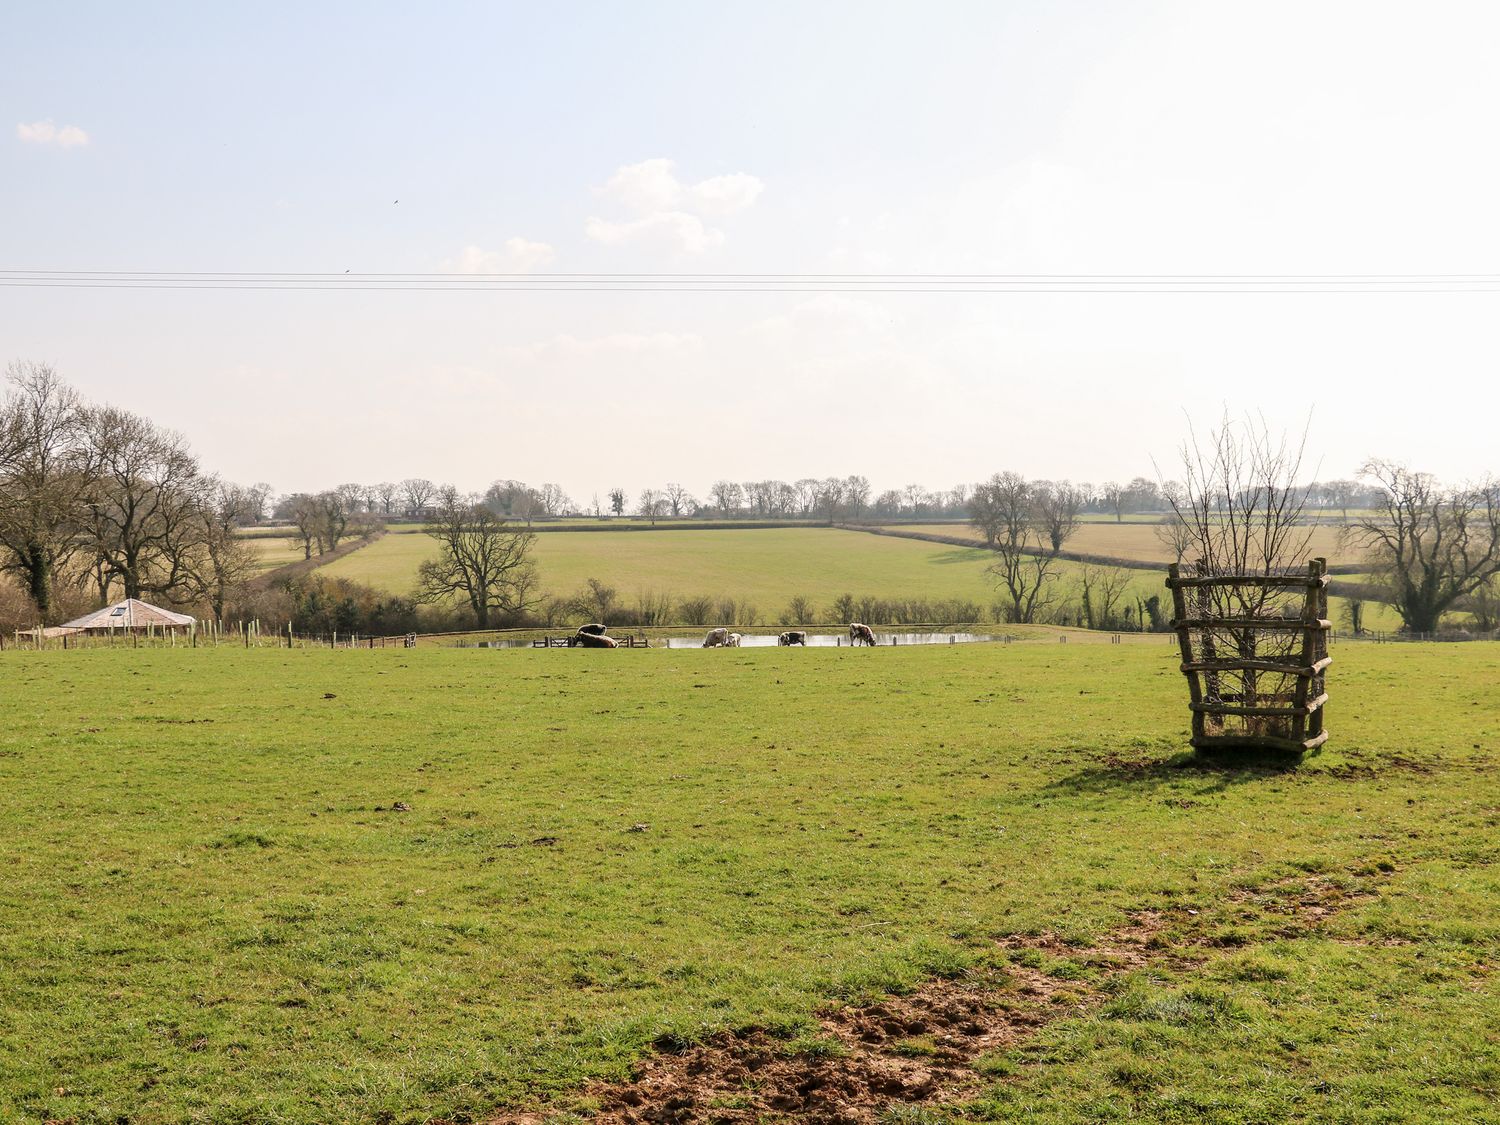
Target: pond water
{"points": [[814, 640]]}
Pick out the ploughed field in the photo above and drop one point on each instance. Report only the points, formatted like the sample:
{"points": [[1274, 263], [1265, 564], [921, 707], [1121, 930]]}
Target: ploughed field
{"points": [[392, 885]]}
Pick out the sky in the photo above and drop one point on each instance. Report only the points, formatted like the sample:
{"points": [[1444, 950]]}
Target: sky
{"points": [[775, 138]]}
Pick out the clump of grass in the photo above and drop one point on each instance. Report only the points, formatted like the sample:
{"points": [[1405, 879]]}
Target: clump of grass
{"points": [[816, 1047], [918, 1046]]}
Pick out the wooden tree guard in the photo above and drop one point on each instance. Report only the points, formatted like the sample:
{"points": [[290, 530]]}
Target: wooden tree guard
{"points": [[1255, 679]]}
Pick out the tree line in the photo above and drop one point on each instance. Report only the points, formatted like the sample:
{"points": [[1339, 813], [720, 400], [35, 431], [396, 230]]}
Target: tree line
{"points": [[99, 500]]}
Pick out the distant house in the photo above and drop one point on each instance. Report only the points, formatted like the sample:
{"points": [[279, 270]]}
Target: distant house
{"points": [[130, 616]]}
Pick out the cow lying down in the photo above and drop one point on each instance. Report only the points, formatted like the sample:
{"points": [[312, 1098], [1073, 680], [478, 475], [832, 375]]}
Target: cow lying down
{"points": [[595, 640]]}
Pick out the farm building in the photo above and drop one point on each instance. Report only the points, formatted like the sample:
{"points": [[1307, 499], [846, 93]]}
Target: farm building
{"points": [[129, 616]]}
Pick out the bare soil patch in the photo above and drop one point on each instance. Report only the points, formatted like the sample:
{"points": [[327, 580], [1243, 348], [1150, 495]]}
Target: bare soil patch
{"points": [[918, 1049]]}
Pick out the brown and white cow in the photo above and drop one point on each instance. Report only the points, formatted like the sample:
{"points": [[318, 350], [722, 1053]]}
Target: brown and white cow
{"points": [[595, 640], [595, 630], [793, 637], [861, 634], [717, 638]]}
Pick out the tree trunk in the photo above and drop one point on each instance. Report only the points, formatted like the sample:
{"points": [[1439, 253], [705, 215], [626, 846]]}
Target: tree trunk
{"points": [[39, 577]]}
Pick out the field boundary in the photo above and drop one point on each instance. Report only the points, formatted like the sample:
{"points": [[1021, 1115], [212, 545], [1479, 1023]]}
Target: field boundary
{"points": [[303, 567], [1066, 556]]}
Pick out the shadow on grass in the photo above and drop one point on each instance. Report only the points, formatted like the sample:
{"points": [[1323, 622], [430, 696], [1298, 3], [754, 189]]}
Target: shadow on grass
{"points": [[1219, 769]]}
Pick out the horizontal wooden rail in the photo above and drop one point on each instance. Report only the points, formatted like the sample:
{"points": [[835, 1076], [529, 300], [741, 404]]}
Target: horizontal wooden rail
{"points": [[1254, 580], [1233, 664], [1270, 624], [1267, 712]]}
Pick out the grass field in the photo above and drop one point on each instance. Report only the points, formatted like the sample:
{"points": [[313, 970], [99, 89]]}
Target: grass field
{"points": [[213, 913], [271, 552], [1138, 541], [764, 567]]}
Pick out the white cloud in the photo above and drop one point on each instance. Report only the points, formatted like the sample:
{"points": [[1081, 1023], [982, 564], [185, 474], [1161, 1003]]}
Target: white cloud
{"points": [[647, 186], [519, 255], [725, 195], [675, 230], [670, 212], [47, 133]]}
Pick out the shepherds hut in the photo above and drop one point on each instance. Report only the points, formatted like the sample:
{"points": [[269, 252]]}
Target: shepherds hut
{"points": [[130, 616]]}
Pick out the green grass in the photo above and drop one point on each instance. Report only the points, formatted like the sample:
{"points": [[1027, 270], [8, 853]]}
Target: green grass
{"points": [[764, 567], [213, 914]]}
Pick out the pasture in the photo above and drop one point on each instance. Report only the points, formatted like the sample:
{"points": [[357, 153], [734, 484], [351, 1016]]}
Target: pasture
{"points": [[765, 567], [1138, 541], [399, 886]]}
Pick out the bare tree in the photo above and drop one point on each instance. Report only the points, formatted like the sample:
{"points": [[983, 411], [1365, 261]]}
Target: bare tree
{"points": [[417, 492], [1174, 534], [143, 504], [1058, 506], [653, 505], [831, 498], [552, 500], [219, 564], [1113, 496], [481, 560], [1430, 546], [1100, 591], [45, 478], [302, 510], [1024, 566], [332, 512], [678, 498], [596, 601], [387, 492], [1242, 504], [727, 496], [856, 494]]}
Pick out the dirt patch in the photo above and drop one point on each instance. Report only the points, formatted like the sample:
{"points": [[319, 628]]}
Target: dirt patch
{"points": [[919, 1049]]}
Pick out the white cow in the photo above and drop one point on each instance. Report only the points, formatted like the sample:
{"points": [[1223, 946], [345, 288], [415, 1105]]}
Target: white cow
{"points": [[733, 641], [717, 638]]}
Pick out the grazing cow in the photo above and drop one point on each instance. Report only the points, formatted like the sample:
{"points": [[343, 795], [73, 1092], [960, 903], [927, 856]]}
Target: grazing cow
{"points": [[861, 634], [594, 640], [733, 641], [793, 637], [717, 638], [593, 630]]}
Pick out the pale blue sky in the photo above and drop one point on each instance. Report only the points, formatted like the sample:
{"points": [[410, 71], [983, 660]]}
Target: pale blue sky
{"points": [[901, 138]]}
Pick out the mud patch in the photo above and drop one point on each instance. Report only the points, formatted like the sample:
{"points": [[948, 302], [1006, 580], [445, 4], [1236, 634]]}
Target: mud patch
{"points": [[921, 1049]]}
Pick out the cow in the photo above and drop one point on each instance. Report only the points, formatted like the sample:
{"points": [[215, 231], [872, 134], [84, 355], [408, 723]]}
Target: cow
{"points": [[717, 638], [860, 634], [594, 640], [793, 637], [594, 630], [733, 641]]}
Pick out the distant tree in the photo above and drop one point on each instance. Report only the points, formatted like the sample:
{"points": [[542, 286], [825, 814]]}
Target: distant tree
{"points": [[1101, 588], [1058, 505], [831, 498], [597, 600], [1174, 534], [617, 501], [1340, 494], [301, 509], [678, 498], [220, 564], [986, 510], [552, 500], [727, 496], [46, 475], [1114, 497], [332, 513], [856, 495], [1025, 565], [481, 560], [417, 492], [653, 505], [1429, 545], [807, 490], [388, 492], [142, 506]]}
